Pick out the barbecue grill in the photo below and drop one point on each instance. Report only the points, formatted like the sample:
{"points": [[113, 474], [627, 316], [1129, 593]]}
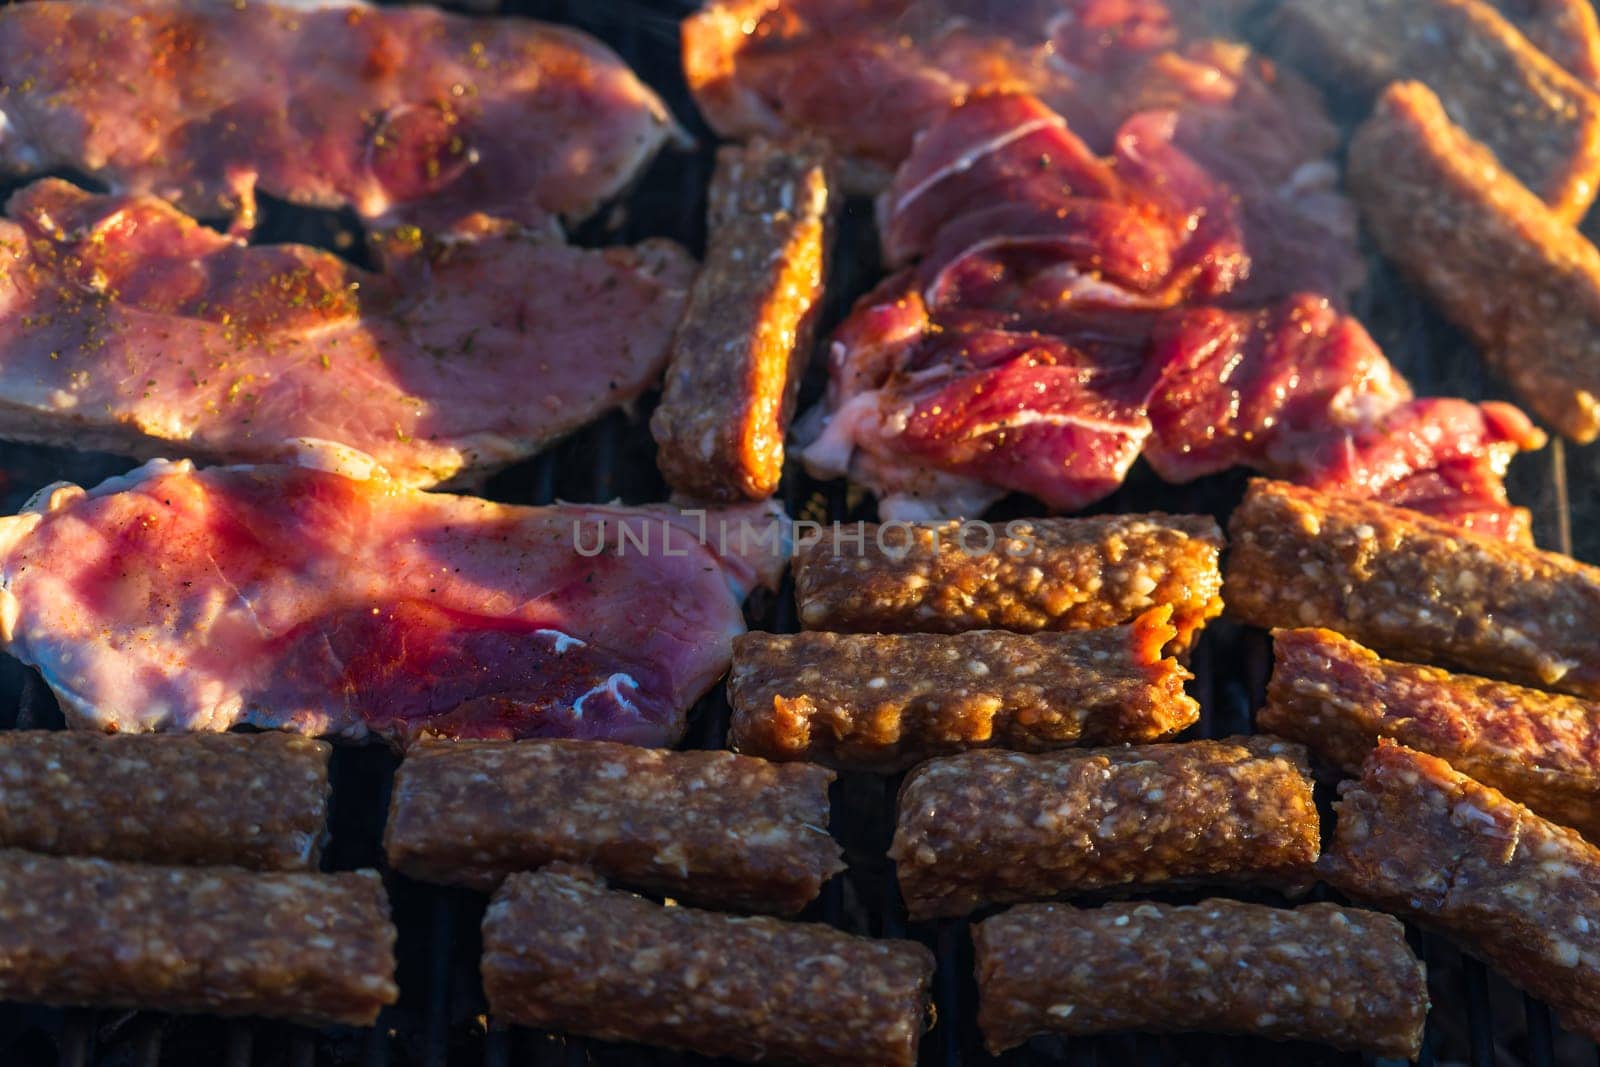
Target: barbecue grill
{"points": [[441, 1019]]}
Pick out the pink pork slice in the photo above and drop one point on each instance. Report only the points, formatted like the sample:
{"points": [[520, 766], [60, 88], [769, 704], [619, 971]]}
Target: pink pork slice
{"points": [[325, 599], [869, 75], [942, 414], [129, 327], [1181, 205], [397, 112]]}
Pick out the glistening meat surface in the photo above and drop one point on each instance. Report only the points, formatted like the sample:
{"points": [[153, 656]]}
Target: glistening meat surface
{"points": [[892, 67], [127, 326], [326, 599], [942, 421], [1301, 392], [1176, 205], [396, 112], [941, 414]]}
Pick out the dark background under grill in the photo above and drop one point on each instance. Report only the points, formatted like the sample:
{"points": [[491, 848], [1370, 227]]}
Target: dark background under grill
{"points": [[1477, 1017]]}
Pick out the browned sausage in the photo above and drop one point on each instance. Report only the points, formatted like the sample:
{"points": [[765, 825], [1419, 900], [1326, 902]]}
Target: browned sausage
{"points": [[563, 952], [1416, 837], [1338, 698], [1414, 587], [1337, 976], [245, 800], [709, 827], [1541, 121], [314, 948], [998, 827], [884, 702], [1515, 276], [746, 336], [1039, 574]]}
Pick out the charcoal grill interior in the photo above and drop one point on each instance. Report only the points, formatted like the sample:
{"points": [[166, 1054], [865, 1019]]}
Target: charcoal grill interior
{"points": [[441, 1019]]}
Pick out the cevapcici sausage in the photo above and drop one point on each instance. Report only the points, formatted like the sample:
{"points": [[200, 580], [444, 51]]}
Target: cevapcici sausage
{"points": [[1518, 278], [1542, 749], [1416, 837], [1042, 574], [561, 951], [745, 339], [314, 948], [997, 827], [884, 702], [711, 827], [245, 800], [1539, 118], [1414, 587], [1338, 976]]}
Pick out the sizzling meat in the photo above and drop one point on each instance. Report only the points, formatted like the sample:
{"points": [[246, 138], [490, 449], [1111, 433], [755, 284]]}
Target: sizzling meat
{"points": [[942, 414], [1040, 574], [1500, 264], [1565, 30], [894, 66], [1541, 121], [127, 326], [746, 337], [1413, 587], [1415, 837], [1301, 392], [1337, 976], [1040, 341], [396, 112], [326, 599], [1338, 698]]}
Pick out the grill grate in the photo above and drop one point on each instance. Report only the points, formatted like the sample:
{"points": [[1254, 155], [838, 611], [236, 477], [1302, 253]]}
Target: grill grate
{"points": [[1477, 1018]]}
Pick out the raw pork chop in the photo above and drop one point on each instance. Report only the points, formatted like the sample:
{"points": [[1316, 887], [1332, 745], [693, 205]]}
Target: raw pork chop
{"points": [[397, 112], [1000, 191], [1059, 313], [1301, 392], [868, 76], [126, 326], [942, 418], [325, 599], [942, 413]]}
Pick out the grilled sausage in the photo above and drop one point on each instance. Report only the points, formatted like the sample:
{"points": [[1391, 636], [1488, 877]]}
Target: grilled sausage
{"points": [[1514, 275], [244, 800], [1337, 698], [1414, 587], [885, 702], [998, 827], [313, 948], [1416, 837], [1541, 121], [709, 827], [561, 951], [1042, 574], [1337, 976], [746, 336]]}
